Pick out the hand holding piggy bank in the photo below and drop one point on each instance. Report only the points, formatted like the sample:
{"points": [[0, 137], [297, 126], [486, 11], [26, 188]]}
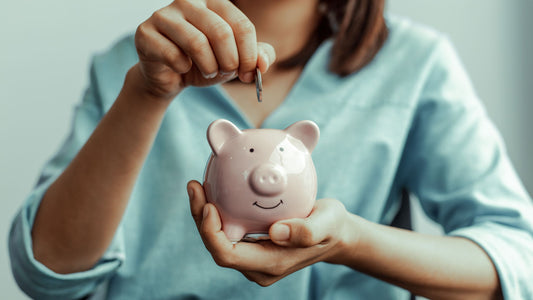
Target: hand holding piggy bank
{"points": [[256, 177]]}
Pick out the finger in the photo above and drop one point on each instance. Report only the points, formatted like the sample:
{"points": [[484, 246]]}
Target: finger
{"points": [[220, 36], [152, 46], [197, 201], [252, 257], [214, 238], [189, 39], [273, 274], [266, 56], [245, 36], [270, 259], [313, 230]]}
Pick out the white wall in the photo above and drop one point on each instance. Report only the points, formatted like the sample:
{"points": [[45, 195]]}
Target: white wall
{"points": [[46, 46], [45, 50]]}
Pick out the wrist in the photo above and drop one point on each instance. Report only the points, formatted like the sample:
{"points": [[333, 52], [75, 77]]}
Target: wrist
{"points": [[137, 87], [351, 241]]}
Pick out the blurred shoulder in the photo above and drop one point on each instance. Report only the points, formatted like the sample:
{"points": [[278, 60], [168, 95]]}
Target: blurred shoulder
{"points": [[415, 44], [428, 59], [122, 54], [408, 35], [413, 58], [425, 46]]}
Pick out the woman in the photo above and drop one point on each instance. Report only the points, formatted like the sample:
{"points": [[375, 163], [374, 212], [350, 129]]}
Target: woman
{"points": [[396, 111]]}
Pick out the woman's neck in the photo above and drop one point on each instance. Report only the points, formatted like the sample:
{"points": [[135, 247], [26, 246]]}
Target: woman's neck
{"points": [[285, 24]]}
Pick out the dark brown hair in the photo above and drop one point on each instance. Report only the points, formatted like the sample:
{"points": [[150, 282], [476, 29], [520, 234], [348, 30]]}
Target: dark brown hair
{"points": [[358, 30]]}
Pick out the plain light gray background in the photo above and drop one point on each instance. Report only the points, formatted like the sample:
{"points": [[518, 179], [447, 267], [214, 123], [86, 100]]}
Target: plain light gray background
{"points": [[46, 49]]}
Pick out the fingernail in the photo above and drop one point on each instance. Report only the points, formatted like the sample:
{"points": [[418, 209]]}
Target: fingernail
{"points": [[228, 74], [210, 76], [280, 232], [248, 77], [190, 191], [206, 211]]}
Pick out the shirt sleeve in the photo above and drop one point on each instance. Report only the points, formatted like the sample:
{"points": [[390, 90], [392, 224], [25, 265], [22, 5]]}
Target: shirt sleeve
{"points": [[457, 165], [34, 278]]}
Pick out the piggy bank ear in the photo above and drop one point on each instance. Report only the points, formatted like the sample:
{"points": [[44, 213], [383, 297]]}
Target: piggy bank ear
{"points": [[306, 131], [219, 132]]}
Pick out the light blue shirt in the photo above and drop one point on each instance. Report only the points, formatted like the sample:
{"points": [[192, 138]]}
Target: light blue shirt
{"points": [[410, 119]]}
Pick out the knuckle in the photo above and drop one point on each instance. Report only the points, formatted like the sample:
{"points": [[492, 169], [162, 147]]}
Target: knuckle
{"points": [[248, 62], [141, 31], [184, 66], [141, 35], [189, 5], [338, 205], [159, 16], [177, 3], [170, 56], [229, 64], [244, 26], [156, 16], [141, 43], [222, 31], [178, 63], [197, 43]]}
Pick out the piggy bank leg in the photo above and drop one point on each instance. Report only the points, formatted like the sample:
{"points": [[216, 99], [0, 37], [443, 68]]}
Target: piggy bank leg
{"points": [[234, 232]]}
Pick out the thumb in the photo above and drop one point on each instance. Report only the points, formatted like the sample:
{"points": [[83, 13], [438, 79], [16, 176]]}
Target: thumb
{"points": [[266, 56], [324, 222], [300, 233]]}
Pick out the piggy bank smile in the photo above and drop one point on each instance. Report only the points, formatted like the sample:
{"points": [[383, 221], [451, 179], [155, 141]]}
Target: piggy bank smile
{"points": [[252, 174], [268, 207]]}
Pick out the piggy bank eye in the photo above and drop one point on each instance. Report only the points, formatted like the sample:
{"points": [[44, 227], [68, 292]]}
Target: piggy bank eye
{"points": [[252, 150], [281, 149]]}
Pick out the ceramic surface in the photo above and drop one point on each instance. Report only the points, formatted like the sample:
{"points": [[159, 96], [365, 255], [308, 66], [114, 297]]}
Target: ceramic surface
{"points": [[256, 177]]}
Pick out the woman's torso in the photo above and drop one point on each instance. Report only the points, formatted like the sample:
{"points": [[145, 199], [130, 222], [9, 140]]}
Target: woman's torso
{"points": [[364, 121]]}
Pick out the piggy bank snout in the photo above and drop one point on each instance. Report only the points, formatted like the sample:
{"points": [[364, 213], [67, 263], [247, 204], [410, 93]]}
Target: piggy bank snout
{"points": [[268, 180]]}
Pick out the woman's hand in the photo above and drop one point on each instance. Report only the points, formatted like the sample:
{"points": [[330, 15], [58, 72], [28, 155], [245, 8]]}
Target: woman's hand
{"points": [[436, 267], [295, 243], [198, 43]]}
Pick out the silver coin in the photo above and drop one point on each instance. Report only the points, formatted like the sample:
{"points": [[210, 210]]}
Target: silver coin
{"points": [[259, 85]]}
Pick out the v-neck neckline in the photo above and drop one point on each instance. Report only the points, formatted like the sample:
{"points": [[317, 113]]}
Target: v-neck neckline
{"points": [[269, 121]]}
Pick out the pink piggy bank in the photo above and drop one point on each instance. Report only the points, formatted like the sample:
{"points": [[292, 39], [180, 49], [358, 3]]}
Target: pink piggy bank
{"points": [[256, 177]]}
